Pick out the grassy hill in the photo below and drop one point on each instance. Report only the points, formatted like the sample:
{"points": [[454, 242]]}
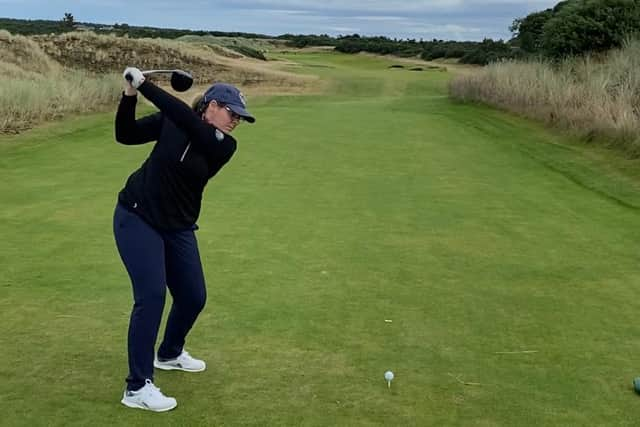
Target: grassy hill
{"points": [[48, 76], [242, 46]]}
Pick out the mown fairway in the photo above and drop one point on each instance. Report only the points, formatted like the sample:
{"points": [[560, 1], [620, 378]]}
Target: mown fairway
{"points": [[507, 261]]}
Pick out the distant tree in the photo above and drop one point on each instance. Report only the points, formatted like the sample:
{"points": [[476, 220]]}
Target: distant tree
{"points": [[308, 40], [488, 51], [68, 21], [528, 31]]}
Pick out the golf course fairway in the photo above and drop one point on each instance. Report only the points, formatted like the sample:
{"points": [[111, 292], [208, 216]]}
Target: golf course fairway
{"points": [[491, 264]]}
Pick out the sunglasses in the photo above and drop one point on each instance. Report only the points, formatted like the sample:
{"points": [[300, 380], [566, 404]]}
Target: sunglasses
{"points": [[232, 114]]}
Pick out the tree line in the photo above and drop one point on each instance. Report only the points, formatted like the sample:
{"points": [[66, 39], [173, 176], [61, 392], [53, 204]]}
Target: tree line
{"points": [[571, 27], [466, 51], [67, 23]]}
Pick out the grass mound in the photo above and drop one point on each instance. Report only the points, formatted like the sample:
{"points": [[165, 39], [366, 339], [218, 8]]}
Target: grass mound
{"points": [[237, 46], [22, 56], [49, 76], [37, 88], [108, 53]]}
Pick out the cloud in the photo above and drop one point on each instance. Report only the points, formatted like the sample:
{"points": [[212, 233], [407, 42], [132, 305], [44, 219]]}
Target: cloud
{"points": [[380, 18], [343, 30], [386, 6], [289, 12]]}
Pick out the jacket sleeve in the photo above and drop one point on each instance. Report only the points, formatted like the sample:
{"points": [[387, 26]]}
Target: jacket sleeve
{"points": [[199, 132], [130, 131]]}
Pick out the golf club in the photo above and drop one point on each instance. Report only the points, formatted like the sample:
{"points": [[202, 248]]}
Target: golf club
{"points": [[181, 81]]}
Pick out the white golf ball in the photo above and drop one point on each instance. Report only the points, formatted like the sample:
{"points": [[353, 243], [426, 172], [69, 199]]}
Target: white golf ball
{"points": [[388, 375]]}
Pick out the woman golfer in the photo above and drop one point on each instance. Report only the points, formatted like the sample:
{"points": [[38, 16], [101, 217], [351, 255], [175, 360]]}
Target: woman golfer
{"points": [[155, 219]]}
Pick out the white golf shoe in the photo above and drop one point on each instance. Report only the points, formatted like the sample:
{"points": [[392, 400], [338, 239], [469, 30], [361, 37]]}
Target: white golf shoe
{"points": [[184, 362], [150, 398]]}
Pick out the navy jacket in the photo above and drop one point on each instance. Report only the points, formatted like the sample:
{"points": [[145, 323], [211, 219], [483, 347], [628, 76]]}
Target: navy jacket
{"points": [[166, 191]]}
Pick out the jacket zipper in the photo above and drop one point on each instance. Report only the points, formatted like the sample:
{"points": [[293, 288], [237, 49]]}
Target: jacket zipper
{"points": [[185, 152]]}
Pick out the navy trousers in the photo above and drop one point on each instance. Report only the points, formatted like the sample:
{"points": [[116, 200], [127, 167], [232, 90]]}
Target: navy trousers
{"points": [[157, 260]]}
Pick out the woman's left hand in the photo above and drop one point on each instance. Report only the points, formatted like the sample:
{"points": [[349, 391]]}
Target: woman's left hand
{"points": [[133, 78]]}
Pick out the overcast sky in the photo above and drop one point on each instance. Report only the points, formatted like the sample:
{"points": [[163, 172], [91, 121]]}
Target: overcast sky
{"points": [[417, 19]]}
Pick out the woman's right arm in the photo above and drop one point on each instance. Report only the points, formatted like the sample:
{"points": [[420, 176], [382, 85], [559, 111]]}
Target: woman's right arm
{"points": [[130, 131]]}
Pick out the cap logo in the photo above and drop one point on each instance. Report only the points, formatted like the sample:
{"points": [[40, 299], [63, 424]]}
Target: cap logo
{"points": [[244, 101]]}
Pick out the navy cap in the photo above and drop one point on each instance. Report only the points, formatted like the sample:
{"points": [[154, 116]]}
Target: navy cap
{"points": [[229, 95]]}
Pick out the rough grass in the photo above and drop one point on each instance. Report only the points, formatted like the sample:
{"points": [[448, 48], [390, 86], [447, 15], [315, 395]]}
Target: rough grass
{"points": [[108, 53], [48, 77], [36, 88], [596, 98]]}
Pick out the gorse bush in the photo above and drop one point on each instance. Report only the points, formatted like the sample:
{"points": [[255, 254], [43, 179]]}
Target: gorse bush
{"points": [[590, 26], [576, 27], [594, 97]]}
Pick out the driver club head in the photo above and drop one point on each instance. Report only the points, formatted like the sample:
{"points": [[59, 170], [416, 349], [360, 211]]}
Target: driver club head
{"points": [[181, 81]]}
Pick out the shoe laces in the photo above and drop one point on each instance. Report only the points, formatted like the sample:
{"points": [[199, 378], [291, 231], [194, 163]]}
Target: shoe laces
{"points": [[153, 390]]}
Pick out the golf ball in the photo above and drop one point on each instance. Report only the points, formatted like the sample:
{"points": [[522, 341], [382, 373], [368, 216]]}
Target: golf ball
{"points": [[388, 375]]}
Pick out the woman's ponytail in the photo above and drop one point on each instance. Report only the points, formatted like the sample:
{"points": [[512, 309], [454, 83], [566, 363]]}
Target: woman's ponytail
{"points": [[199, 105]]}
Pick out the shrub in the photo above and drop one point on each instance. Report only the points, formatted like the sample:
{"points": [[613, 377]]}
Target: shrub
{"points": [[595, 98], [583, 26]]}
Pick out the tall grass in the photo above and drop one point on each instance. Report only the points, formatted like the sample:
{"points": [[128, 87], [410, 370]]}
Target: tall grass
{"points": [[35, 88], [47, 77], [594, 97]]}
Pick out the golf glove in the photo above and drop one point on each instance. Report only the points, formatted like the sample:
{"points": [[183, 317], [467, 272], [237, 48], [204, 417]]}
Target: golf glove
{"points": [[134, 76]]}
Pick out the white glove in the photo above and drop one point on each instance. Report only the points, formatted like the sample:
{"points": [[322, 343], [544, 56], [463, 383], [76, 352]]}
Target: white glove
{"points": [[133, 76]]}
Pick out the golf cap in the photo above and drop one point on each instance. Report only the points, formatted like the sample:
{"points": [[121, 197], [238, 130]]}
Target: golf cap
{"points": [[229, 95]]}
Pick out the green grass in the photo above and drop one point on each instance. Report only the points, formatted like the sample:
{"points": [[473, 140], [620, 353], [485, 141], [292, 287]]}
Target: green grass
{"points": [[475, 232]]}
